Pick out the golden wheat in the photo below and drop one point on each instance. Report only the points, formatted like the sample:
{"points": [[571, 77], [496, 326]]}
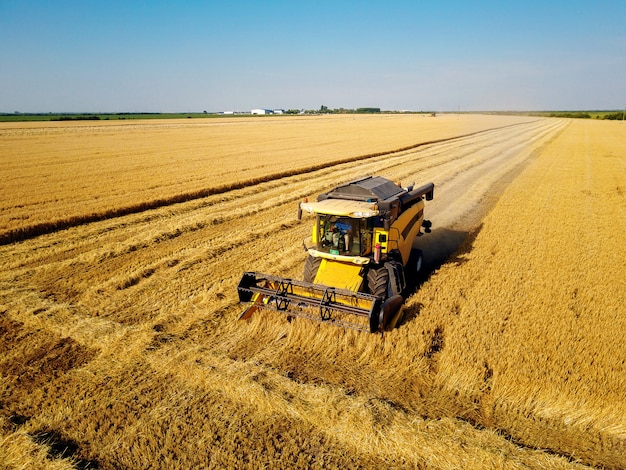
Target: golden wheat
{"points": [[533, 313], [121, 336]]}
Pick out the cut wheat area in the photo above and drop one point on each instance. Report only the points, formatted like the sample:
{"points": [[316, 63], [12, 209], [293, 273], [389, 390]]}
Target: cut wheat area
{"points": [[119, 334], [56, 175]]}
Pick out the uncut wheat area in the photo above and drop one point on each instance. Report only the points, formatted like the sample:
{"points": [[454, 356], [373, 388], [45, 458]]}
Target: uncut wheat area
{"points": [[121, 346]]}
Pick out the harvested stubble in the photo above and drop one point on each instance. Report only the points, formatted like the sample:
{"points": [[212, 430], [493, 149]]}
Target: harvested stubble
{"points": [[148, 366], [59, 175]]}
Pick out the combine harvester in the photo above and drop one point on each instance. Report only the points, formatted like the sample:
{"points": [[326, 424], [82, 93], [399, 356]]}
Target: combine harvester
{"points": [[361, 261]]}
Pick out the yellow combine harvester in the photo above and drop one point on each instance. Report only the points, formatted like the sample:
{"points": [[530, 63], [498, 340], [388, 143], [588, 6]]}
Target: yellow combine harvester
{"points": [[360, 261]]}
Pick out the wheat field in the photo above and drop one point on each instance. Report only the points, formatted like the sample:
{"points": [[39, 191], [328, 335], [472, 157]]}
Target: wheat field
{"points": [[122, 245], [57, 175]]}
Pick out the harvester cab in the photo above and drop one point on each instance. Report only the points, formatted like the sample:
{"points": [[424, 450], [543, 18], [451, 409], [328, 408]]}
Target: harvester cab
{"points": [[359, 260]]}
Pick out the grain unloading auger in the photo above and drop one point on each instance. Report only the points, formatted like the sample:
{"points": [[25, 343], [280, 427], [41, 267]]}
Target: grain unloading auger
{"points": [[360, 261]]}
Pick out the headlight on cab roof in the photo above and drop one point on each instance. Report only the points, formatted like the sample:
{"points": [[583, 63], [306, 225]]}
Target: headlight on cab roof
{"points": [[306, 206], [341, 208], [364, 214]]}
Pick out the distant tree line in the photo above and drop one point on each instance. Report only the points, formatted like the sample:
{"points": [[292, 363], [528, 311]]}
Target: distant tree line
{"points": [[77, 118], [616, 116], [578, 114], [611, 115]]}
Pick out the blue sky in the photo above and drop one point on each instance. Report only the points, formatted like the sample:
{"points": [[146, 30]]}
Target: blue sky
{"points": [[166, 56]]}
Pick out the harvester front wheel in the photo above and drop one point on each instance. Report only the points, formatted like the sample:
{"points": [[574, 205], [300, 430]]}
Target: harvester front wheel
{"points": [[378, 282], [311, 267], [390, 315]]}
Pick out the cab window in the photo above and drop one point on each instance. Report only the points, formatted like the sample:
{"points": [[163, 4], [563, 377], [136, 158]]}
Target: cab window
{"points": [[344, 235]]}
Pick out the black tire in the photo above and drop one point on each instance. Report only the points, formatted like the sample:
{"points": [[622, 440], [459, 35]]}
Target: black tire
{"points": [[311, 266], [378, 282], [390, 313]]}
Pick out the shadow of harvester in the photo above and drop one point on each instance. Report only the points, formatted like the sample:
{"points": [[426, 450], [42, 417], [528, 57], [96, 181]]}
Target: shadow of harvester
{"points": [[439, 247]]}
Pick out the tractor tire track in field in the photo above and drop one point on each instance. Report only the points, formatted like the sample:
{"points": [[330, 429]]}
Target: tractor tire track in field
{"points": [[31, 231], [461, 202]]}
